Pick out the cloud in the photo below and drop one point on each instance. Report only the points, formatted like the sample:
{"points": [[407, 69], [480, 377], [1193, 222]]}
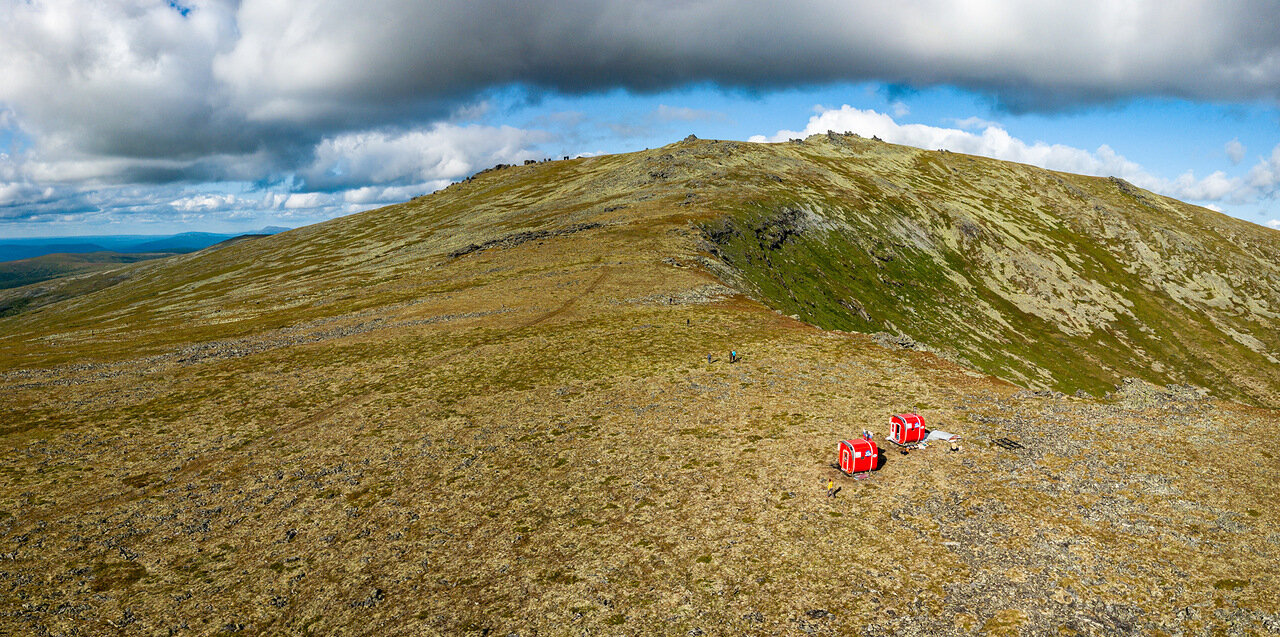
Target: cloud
{"points": [[1215, 187], [306, 200], [129, 79], [1028, 54], [471, 112], [971, 123], [345, 173], [14, 192], [440, 152], [684, 114], [112, 94], [1274, 223], [1235, 151], [138, 79], [993, 141], [210, 202], [380, 194], [1266, 173]]}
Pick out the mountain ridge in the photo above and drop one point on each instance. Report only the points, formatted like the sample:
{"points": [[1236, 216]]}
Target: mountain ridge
{"points": [[1100, 273]]}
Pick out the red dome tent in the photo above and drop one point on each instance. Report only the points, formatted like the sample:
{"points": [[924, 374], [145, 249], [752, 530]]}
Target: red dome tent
{"points": [[858, 455], [905, 429]]}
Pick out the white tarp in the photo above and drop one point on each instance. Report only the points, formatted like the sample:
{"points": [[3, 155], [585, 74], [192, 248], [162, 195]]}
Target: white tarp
{"points": [[940, 435]]}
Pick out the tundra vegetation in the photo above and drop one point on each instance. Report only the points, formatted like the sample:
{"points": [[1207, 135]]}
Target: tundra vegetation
{"points": [[490, 410]]}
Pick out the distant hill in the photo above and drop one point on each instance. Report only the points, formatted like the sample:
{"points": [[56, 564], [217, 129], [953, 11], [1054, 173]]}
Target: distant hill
{"points": [[51, 266], [15, 249], [75, 260], [185, 242]]}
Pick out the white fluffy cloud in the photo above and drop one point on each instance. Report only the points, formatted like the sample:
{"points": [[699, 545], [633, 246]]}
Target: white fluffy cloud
{"points": [[345, 174], [127, 78], [210, 202], [1235, 151], [307, 200], [993, 141], [440, 152]]}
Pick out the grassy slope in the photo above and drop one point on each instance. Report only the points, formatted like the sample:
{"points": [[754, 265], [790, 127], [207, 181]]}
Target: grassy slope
{"points": [[51, 266], [1050, 280], [343, 429]]}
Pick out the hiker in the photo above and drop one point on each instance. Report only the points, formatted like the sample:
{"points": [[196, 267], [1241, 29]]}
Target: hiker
{"points": [[733, 356], [708, 359], [831, 488]]}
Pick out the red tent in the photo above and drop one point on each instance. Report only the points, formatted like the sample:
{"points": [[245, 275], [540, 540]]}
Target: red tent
{"points": [[858, 455], [905, 429]]}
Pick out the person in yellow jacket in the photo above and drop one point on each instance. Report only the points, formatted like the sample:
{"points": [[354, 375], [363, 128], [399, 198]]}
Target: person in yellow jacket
{"points": [[831, 488]]}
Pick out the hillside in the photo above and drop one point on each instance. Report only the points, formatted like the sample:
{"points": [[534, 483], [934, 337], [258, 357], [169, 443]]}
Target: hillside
{"points": [[490, 410], [1046, 279], [51, 266], [29, 248]]}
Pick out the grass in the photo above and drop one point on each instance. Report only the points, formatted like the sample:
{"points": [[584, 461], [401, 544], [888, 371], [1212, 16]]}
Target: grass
{"points": [[51, 266], [1033, 294]]}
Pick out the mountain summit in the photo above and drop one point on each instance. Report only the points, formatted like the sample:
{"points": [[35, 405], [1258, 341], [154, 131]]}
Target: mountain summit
{"points": [[1049, 280]]}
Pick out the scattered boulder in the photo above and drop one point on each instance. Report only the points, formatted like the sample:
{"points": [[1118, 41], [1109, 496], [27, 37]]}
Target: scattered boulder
{"points": [[898, 341], [371, 601]]}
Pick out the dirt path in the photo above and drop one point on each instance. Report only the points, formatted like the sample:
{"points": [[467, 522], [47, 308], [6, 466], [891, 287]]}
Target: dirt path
{"points": [[233, 460], [604, 272]]}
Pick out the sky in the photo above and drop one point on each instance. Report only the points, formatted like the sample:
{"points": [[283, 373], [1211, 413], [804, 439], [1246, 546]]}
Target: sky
{"points": [[160, 116]]}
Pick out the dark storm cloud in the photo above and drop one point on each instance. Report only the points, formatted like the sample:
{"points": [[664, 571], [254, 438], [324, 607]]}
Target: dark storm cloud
{"points": [[294, 62], [225, 90]]}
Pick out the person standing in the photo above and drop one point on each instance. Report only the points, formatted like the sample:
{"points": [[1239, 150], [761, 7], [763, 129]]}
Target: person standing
{"points": [[831, 488], [733, 356]]}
